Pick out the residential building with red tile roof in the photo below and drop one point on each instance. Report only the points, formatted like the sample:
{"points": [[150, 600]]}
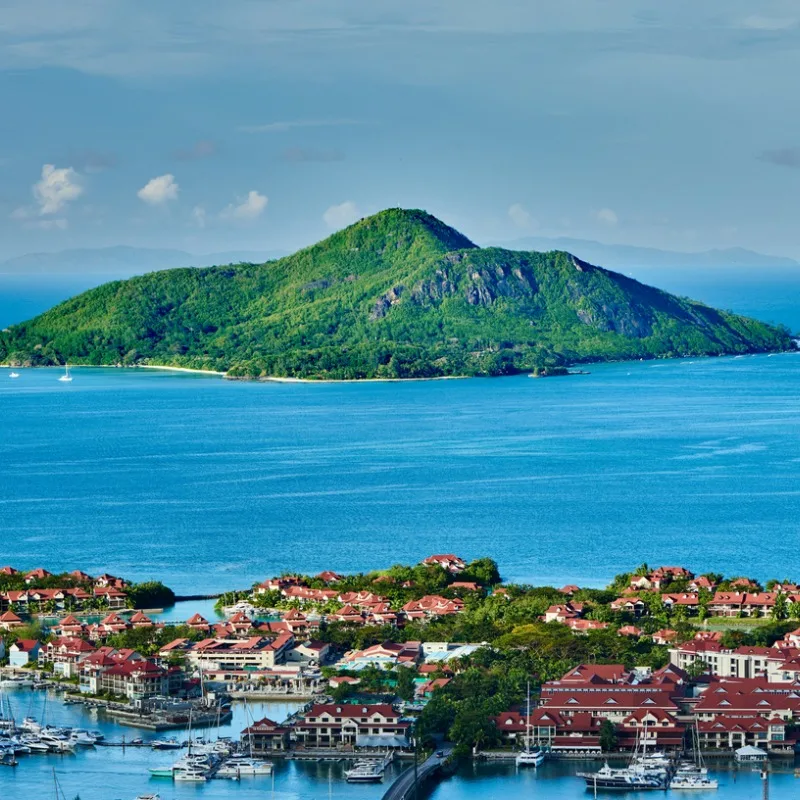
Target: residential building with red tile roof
{"points": [[329, 576], [431, 606], [265, 737], [664, 636], [198, 622], [361, 599], [328, 725], [256, 652], [69, 626], [582, 626], [701, 583], [563, 611], [730, 733], [469, 586], [38, 574], [9, 620], [116, 598], [630, 605], [448, 561], [688, 600], [65, 654], [741, 662], [349, 615], [23, 652]]}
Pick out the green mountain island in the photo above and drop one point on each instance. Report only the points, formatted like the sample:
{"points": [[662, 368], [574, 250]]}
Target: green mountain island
{"points": [[396, 295]]}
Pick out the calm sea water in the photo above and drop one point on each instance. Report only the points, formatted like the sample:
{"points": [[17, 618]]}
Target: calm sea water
{"points": [[209, 484], [106, 773]]}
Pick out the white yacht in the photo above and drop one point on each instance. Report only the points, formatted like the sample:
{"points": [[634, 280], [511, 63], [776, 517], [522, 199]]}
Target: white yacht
{"points": [[82, 738], [236, 767], [66, 377], [13, 374], [693, 774], [530, 756], [16, 683], [34, 743], [698, 782], [242, 607], [365, 771], [57, 744], [190, 776], [165, 744], [624, 779]]}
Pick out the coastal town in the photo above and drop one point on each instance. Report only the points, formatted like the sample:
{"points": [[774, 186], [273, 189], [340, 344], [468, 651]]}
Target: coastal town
{"points": [[391, 662]]}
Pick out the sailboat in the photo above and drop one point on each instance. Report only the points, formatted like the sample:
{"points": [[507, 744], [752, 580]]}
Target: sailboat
{"points": [[693, 774], [529, 757], [66, 377]]}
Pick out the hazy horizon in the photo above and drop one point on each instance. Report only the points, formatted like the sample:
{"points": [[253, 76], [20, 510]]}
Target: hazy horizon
{"points": [[264, 126]]}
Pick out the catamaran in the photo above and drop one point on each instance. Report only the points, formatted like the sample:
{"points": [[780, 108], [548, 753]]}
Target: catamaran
{"points": [[66, 377], [530, 756]]}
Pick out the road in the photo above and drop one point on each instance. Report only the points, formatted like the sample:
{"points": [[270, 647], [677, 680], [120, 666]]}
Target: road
{"points": [[403, 787]]}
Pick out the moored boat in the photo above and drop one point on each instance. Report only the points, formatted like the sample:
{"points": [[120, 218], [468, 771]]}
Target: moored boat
{"points": [[530, 756], [166, 744], [696, 782], [365, 771], [620, 780]]}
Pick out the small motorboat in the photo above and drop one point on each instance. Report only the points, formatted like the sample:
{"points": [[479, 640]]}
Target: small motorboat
{"points": [[166, 744], [13, 374]]}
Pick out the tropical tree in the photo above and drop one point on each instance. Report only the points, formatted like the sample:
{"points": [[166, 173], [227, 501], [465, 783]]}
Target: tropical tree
{"points": [[608, 736]]}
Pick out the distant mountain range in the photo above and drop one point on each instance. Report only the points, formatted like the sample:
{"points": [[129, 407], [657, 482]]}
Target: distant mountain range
{"points": [[123, 261], [396, 295], [624, 257]]}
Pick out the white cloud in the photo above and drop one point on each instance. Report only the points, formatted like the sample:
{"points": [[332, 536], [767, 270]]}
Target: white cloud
{"points": [[250, 208], [56, 188], [607, 216], [520, 216], [199, 216], [342, 215], [159, 190]]}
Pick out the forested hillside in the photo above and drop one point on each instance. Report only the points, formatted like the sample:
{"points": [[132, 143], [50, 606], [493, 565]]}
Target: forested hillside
{"points": [[399, 294]]}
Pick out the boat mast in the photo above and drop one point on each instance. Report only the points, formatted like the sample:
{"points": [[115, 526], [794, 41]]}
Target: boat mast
{"points": [[528, 722]]}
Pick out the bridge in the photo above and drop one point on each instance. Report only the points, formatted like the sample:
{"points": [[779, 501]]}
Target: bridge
{"points": [[404, 786]]}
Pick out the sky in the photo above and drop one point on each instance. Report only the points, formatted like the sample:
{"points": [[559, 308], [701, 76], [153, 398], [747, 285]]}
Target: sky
{"points": [[266, 124]]}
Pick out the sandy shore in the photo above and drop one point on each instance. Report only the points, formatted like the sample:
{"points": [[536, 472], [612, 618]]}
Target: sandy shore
{"points": [[176, 369]]}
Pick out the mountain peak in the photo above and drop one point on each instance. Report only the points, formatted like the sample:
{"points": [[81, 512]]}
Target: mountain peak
{"points": [[407, 228]]}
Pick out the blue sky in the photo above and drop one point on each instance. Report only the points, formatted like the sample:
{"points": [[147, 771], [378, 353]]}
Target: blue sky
{"points": [[264, 124]]}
